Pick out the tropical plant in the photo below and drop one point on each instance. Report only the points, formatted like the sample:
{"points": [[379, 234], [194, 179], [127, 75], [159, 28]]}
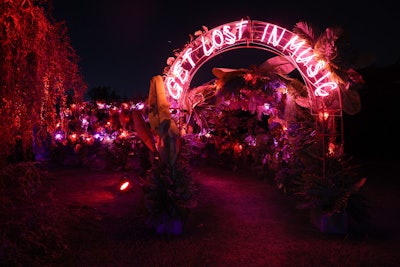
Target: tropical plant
{"points": [[168, 186], [332, 46], [329, 192], [170, 195]]}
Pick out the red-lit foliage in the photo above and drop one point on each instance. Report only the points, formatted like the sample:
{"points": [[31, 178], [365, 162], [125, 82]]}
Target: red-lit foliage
{"points": [[38, 68]]}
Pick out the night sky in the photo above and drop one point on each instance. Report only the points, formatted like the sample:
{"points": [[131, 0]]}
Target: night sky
{"points": [[122, 44]]}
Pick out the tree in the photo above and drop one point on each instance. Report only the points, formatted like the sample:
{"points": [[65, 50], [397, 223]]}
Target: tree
{"points": [[38, 66], [103, 93]]}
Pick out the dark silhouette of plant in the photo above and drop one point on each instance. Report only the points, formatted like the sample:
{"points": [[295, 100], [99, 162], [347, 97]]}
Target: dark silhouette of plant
{"points": [[103, 93], [168, 186], [30, 217]]}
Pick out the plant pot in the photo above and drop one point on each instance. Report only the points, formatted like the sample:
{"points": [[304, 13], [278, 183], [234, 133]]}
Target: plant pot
{"points": [[336, 223], [170, 227]]}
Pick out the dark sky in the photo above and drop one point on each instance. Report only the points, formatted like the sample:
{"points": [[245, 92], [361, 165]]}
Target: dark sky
{"points": [[124, 43]]}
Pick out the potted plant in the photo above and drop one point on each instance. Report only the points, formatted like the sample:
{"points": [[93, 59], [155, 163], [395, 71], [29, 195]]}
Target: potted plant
{"points": [[326, 192], [169, 196], [168, 187]]}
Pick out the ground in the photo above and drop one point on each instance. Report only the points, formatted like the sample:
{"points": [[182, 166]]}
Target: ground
{"points": [[240, 220]]}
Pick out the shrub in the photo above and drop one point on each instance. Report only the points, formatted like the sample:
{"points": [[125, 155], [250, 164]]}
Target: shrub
{"points": [[29, 218]]}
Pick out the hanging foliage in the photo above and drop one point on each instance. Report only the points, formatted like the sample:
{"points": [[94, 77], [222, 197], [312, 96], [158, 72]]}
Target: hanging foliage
{"points": [[38, 66]]}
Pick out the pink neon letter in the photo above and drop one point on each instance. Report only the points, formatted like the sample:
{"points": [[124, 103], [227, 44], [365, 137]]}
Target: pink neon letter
{"points": [[230, 37], [180, 72], [207, 52], [312, 72], [175, 91], [322, 92], [305, 60], [293, 45], [264, 33], [187, 57], [273, 36], [218, 34], [241, 26]]}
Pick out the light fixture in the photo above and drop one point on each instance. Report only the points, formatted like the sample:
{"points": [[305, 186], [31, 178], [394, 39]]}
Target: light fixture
{"points": [[125, 184]]}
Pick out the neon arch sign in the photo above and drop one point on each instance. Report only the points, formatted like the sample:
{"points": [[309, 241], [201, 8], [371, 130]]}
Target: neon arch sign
{"points": [[254, 34]]}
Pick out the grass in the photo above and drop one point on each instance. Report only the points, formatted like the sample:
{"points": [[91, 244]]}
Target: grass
{"points": [[240, 220]]}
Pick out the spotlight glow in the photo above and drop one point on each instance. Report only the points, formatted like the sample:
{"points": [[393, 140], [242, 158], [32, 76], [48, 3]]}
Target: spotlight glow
{"points": [[124, 186]]}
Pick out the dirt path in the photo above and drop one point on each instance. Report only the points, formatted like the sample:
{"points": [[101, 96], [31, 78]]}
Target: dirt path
{"points": [[240, 220]]}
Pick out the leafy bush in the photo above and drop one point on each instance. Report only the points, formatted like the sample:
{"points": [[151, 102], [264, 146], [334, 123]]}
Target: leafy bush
{"points": [[170, 192], [331, 191], [29, 218]]}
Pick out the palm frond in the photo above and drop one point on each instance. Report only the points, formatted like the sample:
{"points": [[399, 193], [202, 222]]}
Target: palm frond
{"points": [[307, 32], [325, 46]]}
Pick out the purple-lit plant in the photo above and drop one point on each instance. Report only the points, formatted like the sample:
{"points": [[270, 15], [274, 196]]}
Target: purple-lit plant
{"points": [[168, 186]]}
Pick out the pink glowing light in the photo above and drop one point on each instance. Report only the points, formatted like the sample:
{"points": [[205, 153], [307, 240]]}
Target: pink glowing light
{"points": [[59, 136], [323, 116], [244, 34], [73, 137]]}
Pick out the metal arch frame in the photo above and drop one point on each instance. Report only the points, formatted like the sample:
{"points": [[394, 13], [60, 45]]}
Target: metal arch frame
{"points": [[249, 37]]}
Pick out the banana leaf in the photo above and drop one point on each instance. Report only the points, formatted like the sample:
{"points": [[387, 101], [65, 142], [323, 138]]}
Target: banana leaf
{"points": [[142, 130], [161, 122], [158, 106], [278, 64]]}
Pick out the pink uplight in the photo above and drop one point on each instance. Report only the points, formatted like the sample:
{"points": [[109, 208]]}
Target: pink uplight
{"points": [[124, 186]]}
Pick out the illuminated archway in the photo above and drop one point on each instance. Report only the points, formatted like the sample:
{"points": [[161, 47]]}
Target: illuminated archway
{"points": [[323, 91], [292, 142]]}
